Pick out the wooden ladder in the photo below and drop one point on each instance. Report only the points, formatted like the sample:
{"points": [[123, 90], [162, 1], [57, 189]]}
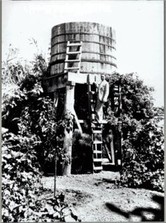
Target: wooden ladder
{"points": [[96, 133], [97, 148], [72, 63], [73, 56]]}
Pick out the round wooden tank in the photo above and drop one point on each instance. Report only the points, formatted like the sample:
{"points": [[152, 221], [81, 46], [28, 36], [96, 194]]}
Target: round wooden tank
{"points": [[98, 47]]}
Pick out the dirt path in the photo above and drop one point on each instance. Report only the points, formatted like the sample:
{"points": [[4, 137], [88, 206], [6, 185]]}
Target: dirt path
{"points": [[96, 198]]}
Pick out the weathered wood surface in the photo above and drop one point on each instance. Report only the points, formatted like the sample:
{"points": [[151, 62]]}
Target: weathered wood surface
{"points": [[60, 81], [98, 47], [86, 67], [82, 27], [66, 169]]}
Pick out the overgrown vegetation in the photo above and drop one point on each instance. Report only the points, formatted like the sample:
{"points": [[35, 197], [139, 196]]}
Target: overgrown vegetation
{"points": [[28, 141], [143, 137], [32, 137]]}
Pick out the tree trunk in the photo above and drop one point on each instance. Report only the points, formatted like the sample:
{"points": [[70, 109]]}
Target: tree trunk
{"points": [[67, 146]]}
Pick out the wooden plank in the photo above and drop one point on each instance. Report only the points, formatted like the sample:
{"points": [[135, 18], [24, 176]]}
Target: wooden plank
{"points": [[83, 78], [83, 27], [86, 67], [97, 142], [73, 44], [97, 131], [86, 56], [108, 164], [73, 52], [97, 160], [101, 122], [97, 151], [68, 61], [97, 167], [77, 78], [53, 83], [105, 160], [71, 68]]}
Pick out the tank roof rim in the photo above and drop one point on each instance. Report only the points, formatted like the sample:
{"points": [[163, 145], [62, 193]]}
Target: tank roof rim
{"points": [[96, 23]]}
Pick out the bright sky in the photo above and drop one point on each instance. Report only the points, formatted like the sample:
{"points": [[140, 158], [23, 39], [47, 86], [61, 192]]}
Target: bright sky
{"points": [[139, 27]]}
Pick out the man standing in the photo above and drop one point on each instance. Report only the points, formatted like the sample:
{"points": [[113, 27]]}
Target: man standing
{"points": [[102, 96]]}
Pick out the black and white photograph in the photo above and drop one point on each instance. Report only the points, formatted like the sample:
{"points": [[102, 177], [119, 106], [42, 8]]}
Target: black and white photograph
{"points": [[82, 111]]}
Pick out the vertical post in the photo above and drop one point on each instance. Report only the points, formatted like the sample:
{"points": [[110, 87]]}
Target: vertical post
{"points": [[68, 133], [119, 160], [55, 156], [55, 174], [69, 100], [120, 123], [117, 106]]}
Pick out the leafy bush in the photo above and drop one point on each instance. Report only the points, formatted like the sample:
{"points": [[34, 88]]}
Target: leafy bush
{"points": [[29, 140], [143, 138], [20, 177], [28, 111], [22, 188]]}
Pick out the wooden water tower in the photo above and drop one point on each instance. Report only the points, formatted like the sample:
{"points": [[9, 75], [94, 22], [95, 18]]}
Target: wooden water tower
{"points": [[80, 53]]}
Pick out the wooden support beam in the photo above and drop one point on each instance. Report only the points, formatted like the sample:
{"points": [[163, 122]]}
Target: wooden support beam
{"points": [[77, 121], [67, 144], [69, 107], [77, 77], [53, 83], [81, 78]]}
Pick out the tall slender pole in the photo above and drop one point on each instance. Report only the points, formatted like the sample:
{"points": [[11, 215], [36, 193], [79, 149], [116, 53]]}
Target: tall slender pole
{"points": [[55, 174], [56, 98], [120, 109]]}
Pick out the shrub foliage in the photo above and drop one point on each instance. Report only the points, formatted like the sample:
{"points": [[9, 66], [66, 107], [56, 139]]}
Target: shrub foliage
{"points": [[143, 138], [28, 141], [32, 137]]}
